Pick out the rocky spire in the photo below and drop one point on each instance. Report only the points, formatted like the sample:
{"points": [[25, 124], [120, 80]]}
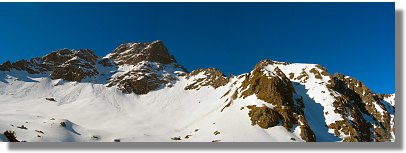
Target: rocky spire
{"points": [[133, 53]]}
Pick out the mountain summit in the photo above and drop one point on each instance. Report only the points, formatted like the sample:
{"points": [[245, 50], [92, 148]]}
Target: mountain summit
{"points": [[139, 92], [133, 53]]}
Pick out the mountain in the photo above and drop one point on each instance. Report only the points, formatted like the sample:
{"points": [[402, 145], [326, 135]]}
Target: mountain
{"points": [[139, 92]]}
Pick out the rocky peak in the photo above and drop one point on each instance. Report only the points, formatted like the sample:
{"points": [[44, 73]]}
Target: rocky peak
{"points": [[270, 68], [133, 53], [59, 56], [72, 65], [64, 64], [64, 55], [145, 67], [6, 66], [24, 65], [263, 63], [206, 77], [270, 84]]}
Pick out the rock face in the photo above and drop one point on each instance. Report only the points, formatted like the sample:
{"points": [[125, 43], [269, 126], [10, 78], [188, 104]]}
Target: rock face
{"points": [[64, 64], [152, 67], [79, 66], [357, 101], [145, 77], [272, 86], [133, 53], [206, 77], [264, 116], [29, 66], [6, 66]]}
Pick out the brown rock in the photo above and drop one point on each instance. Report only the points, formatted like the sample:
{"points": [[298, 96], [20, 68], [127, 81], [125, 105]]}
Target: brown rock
{"points": [[213, 77], [78, 67], [276, 90], [10, 135], [146, 78], [6, 66], [24, 65], [307, 134], [133, 53], [264, 116], [361, 102]]}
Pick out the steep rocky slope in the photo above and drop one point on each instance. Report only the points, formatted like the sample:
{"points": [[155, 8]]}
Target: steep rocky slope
{"points": [[140, 93]]}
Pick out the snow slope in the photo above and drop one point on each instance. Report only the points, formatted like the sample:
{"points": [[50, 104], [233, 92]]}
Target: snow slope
{"points": [[95, 110]]}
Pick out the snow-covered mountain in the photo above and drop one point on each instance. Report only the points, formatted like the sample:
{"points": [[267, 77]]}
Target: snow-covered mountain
{"points": [[140, 93]]}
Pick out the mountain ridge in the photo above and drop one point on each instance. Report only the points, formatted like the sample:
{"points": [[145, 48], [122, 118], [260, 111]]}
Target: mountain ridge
{"points": [[303, 101]]}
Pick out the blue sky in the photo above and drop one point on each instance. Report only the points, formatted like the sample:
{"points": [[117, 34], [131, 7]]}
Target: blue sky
{"points": [[355, 39]]}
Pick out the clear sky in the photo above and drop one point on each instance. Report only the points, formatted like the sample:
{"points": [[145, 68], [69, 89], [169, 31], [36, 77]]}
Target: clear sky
{"points": [[355, 39]]}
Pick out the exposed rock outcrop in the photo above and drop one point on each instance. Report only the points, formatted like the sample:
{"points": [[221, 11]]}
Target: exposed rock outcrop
{"points": [[79, 66], [264, 116], [272, 87], [10, 135], [152, 67], [359, 103], [64, 64], [6, 66], [206, 77], [24, 65], [145, 77], [133, 53]]}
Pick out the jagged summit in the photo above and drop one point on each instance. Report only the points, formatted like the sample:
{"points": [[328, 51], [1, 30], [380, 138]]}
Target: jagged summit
{"points": [[270, 62], [143, 67], [71, 65], [63, 55], [128, 53], [133, 53], [76, 65], [58, 63]]}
